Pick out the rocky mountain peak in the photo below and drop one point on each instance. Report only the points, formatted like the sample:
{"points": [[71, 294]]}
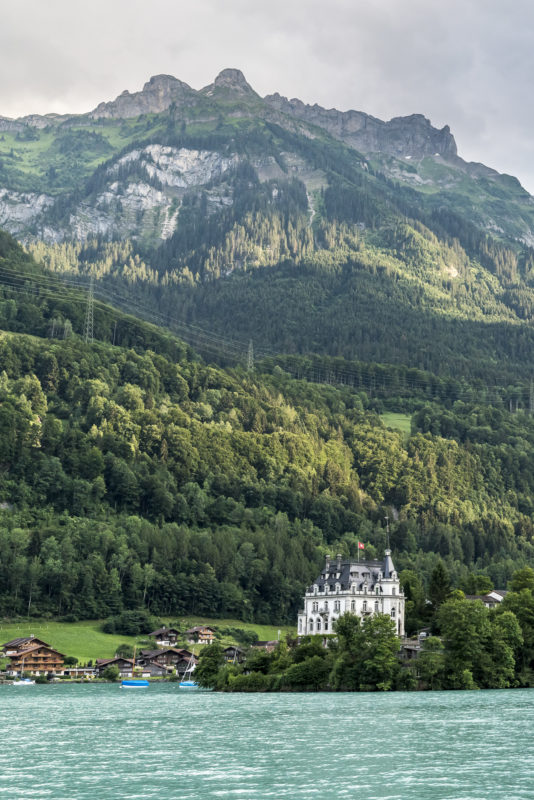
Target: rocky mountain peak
{"points": [[156, 95], [231, 80]]}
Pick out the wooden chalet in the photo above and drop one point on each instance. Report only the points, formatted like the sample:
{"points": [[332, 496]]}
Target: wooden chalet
{"points": [[22, 643], [167, 657], [268, 646], [165, 637], [200, 634], [124, 665], [39, 659], [234, 654]]}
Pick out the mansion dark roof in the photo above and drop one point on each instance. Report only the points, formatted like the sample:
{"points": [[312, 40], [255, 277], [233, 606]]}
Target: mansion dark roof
{"points": [[347, 572]]}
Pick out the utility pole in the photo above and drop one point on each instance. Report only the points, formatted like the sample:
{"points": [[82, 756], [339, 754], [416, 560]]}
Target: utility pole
{"points": [[89, 315], [250, 357]]}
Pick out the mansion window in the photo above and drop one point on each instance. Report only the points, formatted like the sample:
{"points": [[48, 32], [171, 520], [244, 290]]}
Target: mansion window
{"points": [[311, 625], [315, 606], [326, 624], [376, 606], [392, 613], [353, 605], [326, 605], [337, 605], [364, 607], [318, 624]]}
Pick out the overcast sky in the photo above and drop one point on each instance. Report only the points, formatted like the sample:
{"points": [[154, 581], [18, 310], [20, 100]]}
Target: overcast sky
{"points": [[465, 63]]}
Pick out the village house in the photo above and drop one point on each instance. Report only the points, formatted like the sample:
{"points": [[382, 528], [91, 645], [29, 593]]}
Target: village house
{"points": [[200, 634], [269, 646], [491, 599], [32, 655], [363, 588], [15, 645], [165, 637], [234, 654], [124, 665], [167, 658]]}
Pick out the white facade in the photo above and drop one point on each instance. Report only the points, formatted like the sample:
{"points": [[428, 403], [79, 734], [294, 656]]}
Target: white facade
{"points": [[360, 587]]}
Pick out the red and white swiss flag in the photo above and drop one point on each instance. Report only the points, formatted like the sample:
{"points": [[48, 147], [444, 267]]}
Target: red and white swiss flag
{"points": [[361, 546]]}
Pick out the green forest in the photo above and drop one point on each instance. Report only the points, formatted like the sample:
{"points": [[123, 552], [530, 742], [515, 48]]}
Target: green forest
{"points": [[136, 475]]}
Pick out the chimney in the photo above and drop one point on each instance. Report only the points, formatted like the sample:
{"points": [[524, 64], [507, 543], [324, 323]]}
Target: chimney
{"points": [[327, 565], [338, 561]]}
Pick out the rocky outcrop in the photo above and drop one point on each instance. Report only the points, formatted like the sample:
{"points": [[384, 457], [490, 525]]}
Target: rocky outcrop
{"points": [[402, 136], [231, 81], [156, 96], [181, 167], [20, 210]]}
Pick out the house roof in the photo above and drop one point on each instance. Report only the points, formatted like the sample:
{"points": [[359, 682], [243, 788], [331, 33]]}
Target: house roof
{"points": [[28, 650], [200, 629], [163, 631], [234, 648], [101, 662], [161, 650], [23, 640], [346, 572]]}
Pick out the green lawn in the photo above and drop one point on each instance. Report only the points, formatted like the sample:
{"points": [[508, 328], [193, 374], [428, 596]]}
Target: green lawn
{"points": [[401, 422], [86, 641]]}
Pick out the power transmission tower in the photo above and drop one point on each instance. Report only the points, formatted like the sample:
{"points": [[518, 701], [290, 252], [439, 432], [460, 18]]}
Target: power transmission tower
{"points": [[89, 314], [250, 357]]}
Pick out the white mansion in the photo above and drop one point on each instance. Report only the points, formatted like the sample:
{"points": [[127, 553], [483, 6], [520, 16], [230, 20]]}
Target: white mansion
{"points": [[360, 587]]}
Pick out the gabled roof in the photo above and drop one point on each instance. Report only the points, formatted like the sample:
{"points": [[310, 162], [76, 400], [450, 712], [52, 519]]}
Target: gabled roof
{"points": [[33, 648], [15, 643], [163, 631], [101, 662], [200, 629]]}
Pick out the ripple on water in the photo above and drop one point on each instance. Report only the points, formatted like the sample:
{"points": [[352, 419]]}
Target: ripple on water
{"points": [[88, 742]]}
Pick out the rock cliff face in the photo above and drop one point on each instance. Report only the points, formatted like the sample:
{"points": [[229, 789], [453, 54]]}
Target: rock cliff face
{"points": [[156, 96], [412, 136]]}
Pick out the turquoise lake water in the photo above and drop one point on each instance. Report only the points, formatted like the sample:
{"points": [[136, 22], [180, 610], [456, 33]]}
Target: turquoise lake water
{"points": [[99, 742]]}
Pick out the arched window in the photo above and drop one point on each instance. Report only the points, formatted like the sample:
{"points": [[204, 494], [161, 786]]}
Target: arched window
{"points": [[310, 624], [318, 624], [353, 605], [376, 605], [392, 613], [326, 624]]}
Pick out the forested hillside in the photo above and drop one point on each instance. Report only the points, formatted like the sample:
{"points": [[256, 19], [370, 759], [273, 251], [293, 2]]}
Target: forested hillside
{"points": [[138, 475]]}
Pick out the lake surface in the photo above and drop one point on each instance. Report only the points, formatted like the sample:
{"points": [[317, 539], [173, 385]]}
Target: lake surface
{"points": [[99, 742]]}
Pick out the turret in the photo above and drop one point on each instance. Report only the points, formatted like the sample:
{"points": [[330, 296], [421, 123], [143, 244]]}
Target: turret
{"points": [[389, 569]]}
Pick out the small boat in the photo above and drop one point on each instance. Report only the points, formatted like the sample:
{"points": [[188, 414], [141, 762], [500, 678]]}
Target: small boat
{"points": [[23, 682], [187, 683], [134, 683]]}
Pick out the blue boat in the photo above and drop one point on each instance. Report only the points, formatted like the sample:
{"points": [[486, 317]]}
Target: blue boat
{"points": [[135, 683], [188, 685]]}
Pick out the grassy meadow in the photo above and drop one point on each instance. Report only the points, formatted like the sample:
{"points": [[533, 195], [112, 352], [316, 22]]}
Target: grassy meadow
{"points": [[86, 641]]}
